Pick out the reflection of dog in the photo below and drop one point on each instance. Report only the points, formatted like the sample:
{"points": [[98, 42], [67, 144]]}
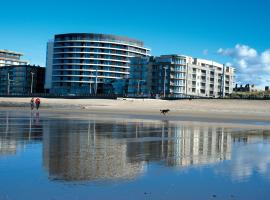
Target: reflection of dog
{"points": [[164, 111]]}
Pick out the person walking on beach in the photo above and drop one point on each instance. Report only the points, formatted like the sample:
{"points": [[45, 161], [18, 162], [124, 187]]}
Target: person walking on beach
{"points": [[32, 103], [37, 102]]}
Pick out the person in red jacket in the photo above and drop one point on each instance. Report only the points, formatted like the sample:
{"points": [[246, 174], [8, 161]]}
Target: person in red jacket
{"points": [[37, 102]]}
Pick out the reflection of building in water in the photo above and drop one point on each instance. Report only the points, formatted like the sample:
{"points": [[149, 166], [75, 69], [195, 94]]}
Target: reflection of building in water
{"points": [[8, 143], [7, 146], [83, 151], [196, 146], [112, 150], [248, 137], [252, 155], [16, 131], [181, 145]]}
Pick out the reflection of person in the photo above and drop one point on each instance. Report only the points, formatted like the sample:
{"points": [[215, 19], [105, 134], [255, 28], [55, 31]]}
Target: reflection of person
{"points": [[37, 103], [32, 103], [36, 120]]}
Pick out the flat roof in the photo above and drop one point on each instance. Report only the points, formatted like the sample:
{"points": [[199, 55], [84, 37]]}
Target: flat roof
{"points": [[22, 65], [8, 51]]}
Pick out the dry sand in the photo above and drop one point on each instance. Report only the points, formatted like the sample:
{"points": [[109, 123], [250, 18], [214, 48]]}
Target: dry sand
{"points": [[210, 110]]}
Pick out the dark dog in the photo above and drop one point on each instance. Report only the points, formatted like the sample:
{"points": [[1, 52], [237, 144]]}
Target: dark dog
{"points": [[164, 111]]}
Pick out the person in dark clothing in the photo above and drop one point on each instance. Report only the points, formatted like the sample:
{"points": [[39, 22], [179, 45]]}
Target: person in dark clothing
{"points": [[32, 103]]}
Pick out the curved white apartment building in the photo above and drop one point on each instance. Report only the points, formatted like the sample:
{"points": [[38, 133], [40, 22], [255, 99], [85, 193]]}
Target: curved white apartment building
{"points": [[81, 63]]}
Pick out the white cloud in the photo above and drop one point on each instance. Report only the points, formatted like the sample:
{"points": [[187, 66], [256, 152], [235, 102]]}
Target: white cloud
{"points": [[229, 64], [205, 52], [248, 159], [266, 57], [240, 51], [251, 67]]}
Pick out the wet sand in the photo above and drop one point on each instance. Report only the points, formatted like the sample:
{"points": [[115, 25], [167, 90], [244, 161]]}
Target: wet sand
{"points": [[247, 112]]}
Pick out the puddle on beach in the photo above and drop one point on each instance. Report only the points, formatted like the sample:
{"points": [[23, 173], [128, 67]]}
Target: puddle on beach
{"points": [[46, 157]]}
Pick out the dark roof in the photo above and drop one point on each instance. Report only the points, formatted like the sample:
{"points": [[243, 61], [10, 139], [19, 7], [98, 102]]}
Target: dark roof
{"points": [[102, 37]]}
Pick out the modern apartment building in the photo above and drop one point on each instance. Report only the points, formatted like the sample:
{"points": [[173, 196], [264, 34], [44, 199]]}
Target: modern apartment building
{"points": [[8, 58], [83, 63], [179, 76], [209, 79], [21, 79]]}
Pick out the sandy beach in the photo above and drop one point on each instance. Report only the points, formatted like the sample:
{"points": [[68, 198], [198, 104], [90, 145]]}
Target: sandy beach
{"points": [[212, 110]]}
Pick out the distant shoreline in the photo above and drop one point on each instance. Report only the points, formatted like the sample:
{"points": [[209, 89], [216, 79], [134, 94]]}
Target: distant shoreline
{"points": [[209, 111]]}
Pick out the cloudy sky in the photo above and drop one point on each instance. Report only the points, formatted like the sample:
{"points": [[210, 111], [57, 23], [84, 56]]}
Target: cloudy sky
{"points": [[233, 32], [252, 66]]}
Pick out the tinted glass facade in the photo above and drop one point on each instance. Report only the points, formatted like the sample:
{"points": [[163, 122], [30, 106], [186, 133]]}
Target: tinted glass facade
{"points": [[140, 79], [149, 76], [18, 79]]}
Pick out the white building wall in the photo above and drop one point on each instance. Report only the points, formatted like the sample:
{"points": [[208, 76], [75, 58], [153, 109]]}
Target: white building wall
{"points": [[8, 58], [207, 78]]}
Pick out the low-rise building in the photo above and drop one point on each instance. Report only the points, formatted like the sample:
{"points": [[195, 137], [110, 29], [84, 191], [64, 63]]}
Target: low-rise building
{"points": [[179, 76], [21, 79], [8, 58], [247, 88], [209, 79]]}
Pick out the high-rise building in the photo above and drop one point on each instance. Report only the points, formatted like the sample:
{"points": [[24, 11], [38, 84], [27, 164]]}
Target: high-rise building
{"points": [[83, 63], [8, 58], [179, 76]]}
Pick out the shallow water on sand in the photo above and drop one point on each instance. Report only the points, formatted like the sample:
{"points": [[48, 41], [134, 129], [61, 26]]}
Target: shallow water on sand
{"points": [[45, 156]]}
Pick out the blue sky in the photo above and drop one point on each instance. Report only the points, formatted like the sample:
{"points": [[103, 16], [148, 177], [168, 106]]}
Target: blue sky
{"points": [[196, 27]]}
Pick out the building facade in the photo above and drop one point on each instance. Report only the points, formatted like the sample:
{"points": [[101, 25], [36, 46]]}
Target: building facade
{"points": [[179, 76], [140, 78], [82, 63], [8, 58], [158, 76], [209, 79], [21, 79]]}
